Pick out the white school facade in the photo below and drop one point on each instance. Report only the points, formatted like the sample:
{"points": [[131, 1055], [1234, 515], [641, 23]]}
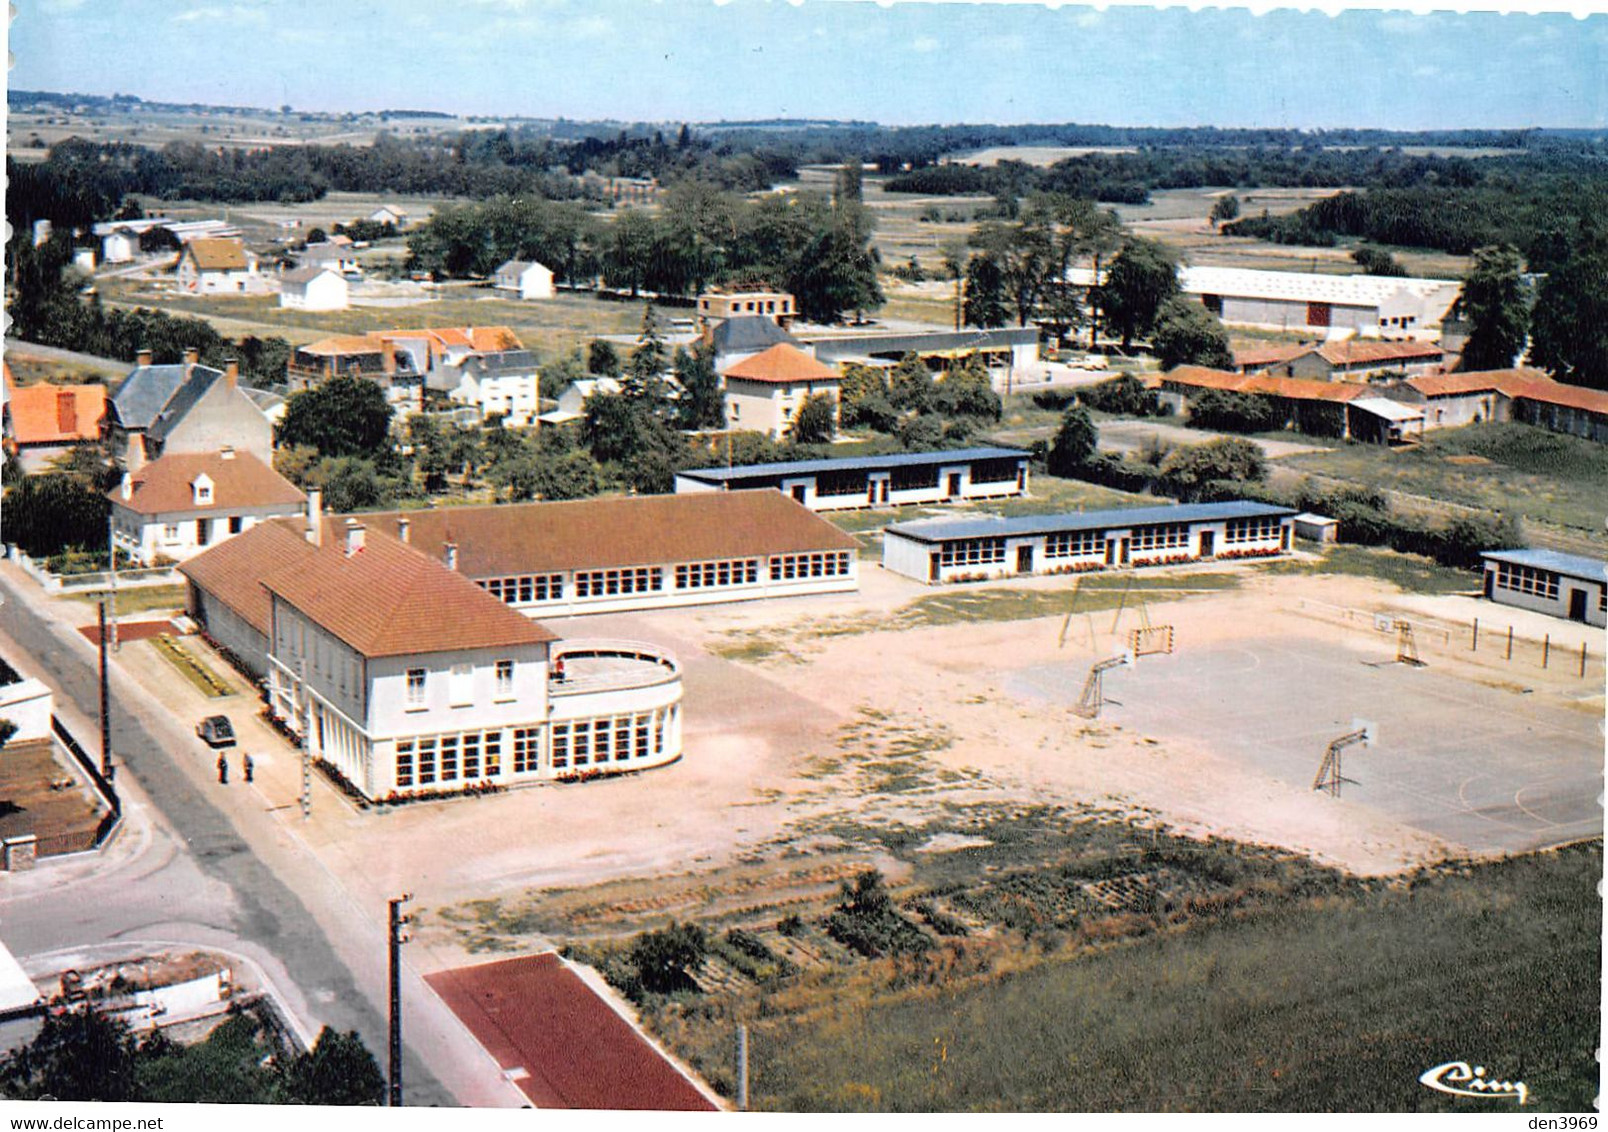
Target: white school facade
{"points": [[1570, 586], [895, 480], [961, 550]]}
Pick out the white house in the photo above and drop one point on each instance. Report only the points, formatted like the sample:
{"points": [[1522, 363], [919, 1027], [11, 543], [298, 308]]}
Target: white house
{"points": [[336, 257], [389, 214], [406, 678], [898, 480], [120, 246], [181, 504], [218, 267], [765, 392], [503, 383], [528, 278], [1549, 581], [314, 288], [963, 550]]}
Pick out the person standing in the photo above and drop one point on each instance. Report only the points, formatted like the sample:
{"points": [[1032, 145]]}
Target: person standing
{"points": [[223, 769], [248, 766]]}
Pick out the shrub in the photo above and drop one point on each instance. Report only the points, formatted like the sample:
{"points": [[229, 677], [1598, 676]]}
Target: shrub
{"points": [[664, 960], [866, 921]]}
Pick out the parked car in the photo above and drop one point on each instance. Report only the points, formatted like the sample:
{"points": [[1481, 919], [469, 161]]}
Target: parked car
{"points": [[216, 731]]}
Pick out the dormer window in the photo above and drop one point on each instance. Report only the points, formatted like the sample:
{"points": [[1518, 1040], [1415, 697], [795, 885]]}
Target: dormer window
{"points": [[202, 490]]}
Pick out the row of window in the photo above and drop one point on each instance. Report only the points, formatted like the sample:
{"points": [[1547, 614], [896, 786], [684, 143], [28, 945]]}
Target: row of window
{"points": [[616, 738], [461, 684], [1527, 580], [1252, 530], [972, 552], [429, 760], [1170, 536], [1073, 543], [832, 564], [523, 590], [701, 575], [632, 580], [1008, 470]]}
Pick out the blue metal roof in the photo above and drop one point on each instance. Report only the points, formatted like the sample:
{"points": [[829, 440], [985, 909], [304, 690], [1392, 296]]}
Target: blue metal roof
{"points": [[944, 530], [850, 463], [1574, 565]]}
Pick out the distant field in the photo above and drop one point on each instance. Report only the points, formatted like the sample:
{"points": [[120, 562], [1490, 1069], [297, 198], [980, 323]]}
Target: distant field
{"points": [[550, 326], [1041, 155], [1532, 473]]}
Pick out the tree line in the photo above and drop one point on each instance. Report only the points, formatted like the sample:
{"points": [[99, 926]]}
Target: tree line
{"points": [[813, 245]]}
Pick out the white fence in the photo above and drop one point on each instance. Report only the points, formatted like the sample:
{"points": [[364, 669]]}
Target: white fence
{"points": [[131, 578]]}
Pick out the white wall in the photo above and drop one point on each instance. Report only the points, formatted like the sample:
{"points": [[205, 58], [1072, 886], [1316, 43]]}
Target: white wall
{"points": [[29, 704], [1554, 607], [146, 536]]}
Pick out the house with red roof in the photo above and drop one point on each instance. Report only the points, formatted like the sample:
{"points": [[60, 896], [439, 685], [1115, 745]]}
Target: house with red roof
{"points": [[181, 504], [764, 392], [42, 421]]}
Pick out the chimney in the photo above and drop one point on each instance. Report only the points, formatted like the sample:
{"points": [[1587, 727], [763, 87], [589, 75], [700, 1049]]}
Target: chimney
{"points": [[355, 533], [134, 460], [404, 527], [315, 516], [143, 358], [66, 411], [450, 553], [231, 373], [128, 486], [226, 453], [191, 355]]}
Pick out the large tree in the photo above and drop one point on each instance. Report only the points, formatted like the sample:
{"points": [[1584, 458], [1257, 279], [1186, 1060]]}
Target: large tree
{"points": [[837, 274], [1074, 443], [985, 293], [346, 416], [816, 420], [1494, 304], [1142, 277], [1570, 332], [701, 404], [47, 514], [1187, 333], [1188, 469], [78, 1056]]}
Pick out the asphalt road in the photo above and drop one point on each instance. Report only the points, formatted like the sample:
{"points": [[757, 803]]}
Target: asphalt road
{"points": [[193, 879]]}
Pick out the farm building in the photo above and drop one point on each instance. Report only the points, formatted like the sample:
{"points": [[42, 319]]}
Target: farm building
{"points": [[876, 481], [409, 679], [1367, 305], [1007, 350], [1347, 410], [1558, 407], [645, 552], [526, 278], [315, 288], [1354, 360], [1548, 581], [1452, 399], [963, 550]]}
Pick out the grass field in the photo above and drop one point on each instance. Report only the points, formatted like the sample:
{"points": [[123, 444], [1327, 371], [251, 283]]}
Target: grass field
{"points": [[139, 599], [1531, 472], [1337, 1002], [1412, 573]]}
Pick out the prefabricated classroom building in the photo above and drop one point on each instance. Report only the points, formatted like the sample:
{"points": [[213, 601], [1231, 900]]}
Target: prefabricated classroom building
{"points": [[1549, 581], [963, 550], [644, 552], [876, 481]]}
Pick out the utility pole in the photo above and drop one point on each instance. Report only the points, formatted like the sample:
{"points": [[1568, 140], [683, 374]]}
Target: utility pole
{"points": [[105, 703], [398, 936], [111, 570], [305, 720]]}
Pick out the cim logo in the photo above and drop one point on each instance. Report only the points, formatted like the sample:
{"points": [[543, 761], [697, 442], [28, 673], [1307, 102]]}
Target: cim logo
{"points": [[1462, 1080]]}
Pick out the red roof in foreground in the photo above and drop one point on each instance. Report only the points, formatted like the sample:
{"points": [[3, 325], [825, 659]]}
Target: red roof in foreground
{"points": [[782, 365], [536, 1014]]}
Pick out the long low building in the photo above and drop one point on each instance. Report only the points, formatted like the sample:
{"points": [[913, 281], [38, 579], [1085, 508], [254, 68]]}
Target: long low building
{"points": [[644, 552], [894, 480], [964, 550], [1548, 581]]}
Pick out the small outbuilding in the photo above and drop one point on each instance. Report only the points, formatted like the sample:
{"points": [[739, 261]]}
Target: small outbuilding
{"points": [[529, 279], [1571, 586], [1317, 528]]}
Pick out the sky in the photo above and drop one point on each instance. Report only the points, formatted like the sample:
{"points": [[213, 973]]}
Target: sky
{"points": [[904, 63]]}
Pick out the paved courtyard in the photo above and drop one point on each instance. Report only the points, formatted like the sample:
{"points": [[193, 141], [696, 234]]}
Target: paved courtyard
{"points": [[1490, 768]]}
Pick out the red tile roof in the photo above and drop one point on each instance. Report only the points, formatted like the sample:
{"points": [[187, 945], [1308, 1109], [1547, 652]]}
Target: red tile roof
{"points": [[782, 365], [536, 1014], [239, 482], [55, 414], [1304, 389], [1549, 392], [1361, 352], [1255, 357], [232, 572], [1457, 384], [216, 255], [387, 599], [1200, 377], [646, 530]]}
